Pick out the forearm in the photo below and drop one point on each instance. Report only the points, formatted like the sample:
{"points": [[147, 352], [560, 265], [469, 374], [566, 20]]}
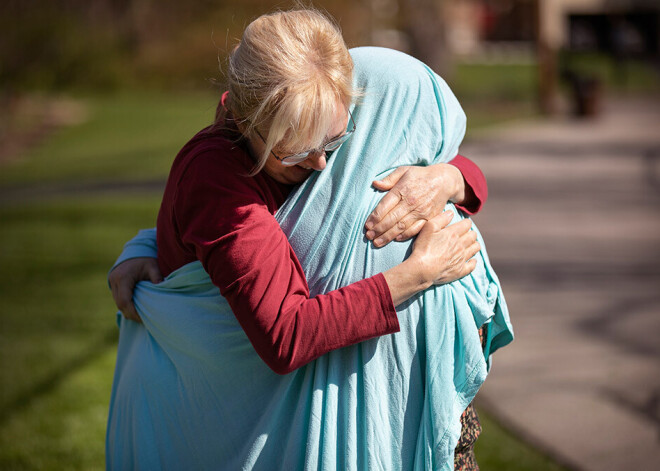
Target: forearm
{"points": [[301, 329]]}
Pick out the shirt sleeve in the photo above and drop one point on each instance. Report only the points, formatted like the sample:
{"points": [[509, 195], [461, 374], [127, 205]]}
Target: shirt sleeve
{"points": [[229, 225], [142, 245], [475, 181]]}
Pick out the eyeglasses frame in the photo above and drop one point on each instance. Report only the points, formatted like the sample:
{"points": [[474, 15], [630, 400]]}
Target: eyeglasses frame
{"points": [[293, 159]]}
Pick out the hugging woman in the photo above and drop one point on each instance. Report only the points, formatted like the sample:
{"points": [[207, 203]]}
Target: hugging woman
{"points": [[282, 337]]}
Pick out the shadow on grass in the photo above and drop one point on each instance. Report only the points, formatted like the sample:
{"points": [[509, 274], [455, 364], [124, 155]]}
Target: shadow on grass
{"points": [[56, 376]]}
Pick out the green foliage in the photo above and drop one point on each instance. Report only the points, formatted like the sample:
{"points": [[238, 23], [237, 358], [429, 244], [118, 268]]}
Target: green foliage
{"points": [[53, 48], [107, 44]]}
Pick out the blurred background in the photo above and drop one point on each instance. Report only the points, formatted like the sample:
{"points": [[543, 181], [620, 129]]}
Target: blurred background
{"points": [[97, 96]]}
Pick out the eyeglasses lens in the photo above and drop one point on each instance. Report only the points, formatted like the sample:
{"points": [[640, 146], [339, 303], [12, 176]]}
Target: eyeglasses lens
{"points": [[329, 148]]}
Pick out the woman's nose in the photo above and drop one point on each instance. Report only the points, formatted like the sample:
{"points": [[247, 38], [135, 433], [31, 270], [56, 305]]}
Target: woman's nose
{"points": [[318, 161]]}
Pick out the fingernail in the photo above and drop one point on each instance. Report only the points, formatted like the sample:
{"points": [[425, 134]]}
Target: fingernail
{"points": [[369, 225], [378, 242], [370, 234]]}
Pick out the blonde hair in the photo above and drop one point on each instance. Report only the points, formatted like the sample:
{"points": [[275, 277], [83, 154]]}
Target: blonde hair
{"points": [[287, 75]]}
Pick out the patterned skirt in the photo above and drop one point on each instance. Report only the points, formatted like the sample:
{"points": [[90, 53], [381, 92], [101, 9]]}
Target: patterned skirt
{"points": [[464, 459]]}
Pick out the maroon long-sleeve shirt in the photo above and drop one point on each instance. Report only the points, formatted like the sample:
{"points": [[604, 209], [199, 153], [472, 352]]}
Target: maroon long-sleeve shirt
{"points": [[213, 212]]}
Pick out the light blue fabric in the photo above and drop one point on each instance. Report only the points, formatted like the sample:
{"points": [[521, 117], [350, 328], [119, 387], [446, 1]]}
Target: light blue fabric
{"points": [[191, 393]]}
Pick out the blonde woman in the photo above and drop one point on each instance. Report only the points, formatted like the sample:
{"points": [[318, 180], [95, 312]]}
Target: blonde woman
{"points": [[188, 391]]}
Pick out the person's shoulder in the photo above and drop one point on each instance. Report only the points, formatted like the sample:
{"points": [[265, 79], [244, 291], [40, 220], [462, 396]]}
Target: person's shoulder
{"points": [[212, 155], [212, 142], [214, 167]]}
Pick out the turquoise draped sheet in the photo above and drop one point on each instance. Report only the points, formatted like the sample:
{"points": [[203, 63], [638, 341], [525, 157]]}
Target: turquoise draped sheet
{"points": [[191, 393]]}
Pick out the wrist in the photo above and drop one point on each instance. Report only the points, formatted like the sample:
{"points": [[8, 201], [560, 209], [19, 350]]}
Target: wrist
{"points": [[457, 184], [406, 279], [420, 271]]}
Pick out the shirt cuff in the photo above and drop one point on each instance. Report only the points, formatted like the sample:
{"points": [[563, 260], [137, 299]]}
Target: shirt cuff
{"points": [[475, 180], [386, 304]]}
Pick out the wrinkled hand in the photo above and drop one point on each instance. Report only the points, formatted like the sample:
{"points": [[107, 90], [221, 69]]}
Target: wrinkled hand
{"points": [[125, 276], [416, 194], [445, 253]]}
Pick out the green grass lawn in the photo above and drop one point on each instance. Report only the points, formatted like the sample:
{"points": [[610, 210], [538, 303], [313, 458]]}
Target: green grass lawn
{"points": [[492, 94], [63, 428], [127, 136], [57, 329], [57, 307], [498, 449], [623, 77]]}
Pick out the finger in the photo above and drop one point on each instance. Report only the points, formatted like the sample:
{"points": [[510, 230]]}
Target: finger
{"points": [[437, 224], [124, 301], [461, 227], [115, 297], [394, 223], [384, 207], [473, 237], [131, 314], [444, 218], [468, 238], [469, 267], [389, 181], [473, 250], [398, 228], [464, 269], [154, 273], [412, 231]]}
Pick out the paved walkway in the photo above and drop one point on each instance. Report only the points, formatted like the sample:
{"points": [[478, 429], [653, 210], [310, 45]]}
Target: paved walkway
{"points": [[573, 229]]}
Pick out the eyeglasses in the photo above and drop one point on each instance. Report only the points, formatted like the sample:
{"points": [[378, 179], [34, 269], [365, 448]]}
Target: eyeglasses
{"points": [[328, 148]]}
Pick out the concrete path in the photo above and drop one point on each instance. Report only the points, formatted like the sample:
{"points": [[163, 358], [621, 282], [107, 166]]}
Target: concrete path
{"points": [[573, 230]]}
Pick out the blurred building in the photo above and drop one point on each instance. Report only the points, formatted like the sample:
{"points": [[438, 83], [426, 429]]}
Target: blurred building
{"points": [[621, 29], [492, 30], [629, 27], [538, 30], [476, 27]]}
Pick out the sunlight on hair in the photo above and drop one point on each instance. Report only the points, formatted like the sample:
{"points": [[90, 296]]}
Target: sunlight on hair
{"points": [[286, 77]]}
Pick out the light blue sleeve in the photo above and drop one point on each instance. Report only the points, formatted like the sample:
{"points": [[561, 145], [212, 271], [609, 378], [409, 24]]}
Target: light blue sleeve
{"points": [[142, 245]]}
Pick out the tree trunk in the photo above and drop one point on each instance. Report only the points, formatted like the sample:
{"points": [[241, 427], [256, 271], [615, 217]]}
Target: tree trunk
{"points": [[424, 23]]}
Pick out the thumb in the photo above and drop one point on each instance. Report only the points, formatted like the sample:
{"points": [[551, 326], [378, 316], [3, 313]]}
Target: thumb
{"points": [[389, 181]]}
